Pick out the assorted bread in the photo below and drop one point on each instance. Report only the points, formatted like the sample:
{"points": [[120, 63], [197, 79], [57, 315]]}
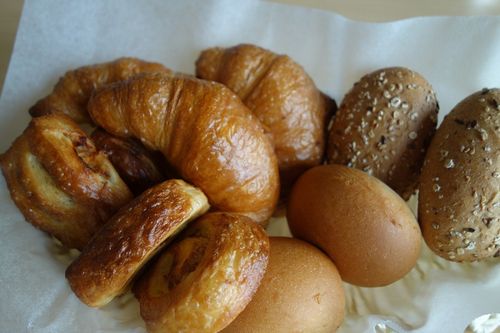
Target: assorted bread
{"points": [[232, 145]]}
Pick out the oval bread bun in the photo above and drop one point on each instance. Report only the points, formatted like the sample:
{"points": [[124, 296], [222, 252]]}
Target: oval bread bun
{"points": [[459, 200], [383, 127], [365, 227], [301, 292]]}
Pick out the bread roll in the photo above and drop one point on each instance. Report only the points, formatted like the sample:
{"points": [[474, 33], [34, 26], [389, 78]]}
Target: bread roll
{"points": [[300, 292], [365, 227], [109, 262], [383, 127], [459, 199]]}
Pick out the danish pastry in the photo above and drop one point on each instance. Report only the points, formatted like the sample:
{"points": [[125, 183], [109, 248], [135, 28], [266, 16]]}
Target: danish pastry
{"points": [[206, 277], [73, 90], [204, 131], [111, 259], [61, 183]]}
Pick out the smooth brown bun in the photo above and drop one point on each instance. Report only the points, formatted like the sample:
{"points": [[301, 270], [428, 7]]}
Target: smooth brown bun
{"points": [[205, 133], [60, 182], [459, 199], [383, 127], [112, 258], [282, 96], [201, 282], [300, 292], [365, 227], [72, 92]]}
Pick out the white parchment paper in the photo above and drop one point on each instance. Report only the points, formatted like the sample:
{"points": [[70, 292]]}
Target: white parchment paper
{"points": [[457, 55]]}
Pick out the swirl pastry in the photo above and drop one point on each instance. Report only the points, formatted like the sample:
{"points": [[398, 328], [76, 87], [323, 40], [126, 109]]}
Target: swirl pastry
{"points": [[139, 167], [111, 259], [206, 277], [60, 182], [73, 90], [204, 131], [282, 96]]}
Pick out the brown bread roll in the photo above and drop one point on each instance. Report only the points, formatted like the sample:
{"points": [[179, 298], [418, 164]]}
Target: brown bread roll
{"points": [[300, 292], [383, 127], [459, 199], [365, 227]]}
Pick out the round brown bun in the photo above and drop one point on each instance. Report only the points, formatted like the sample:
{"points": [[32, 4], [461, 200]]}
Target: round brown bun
{"points": [[301, 292], [459, 200], [365, 227], [383, 127]]}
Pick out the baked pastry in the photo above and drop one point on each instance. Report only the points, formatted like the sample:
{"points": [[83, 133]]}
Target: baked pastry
{"points": [[139, 167], [109, 262], [204, 131], [384, 125], [459, 199], [60, 182], [204, 279], [282, 96], [301, 292], [73, 90]]}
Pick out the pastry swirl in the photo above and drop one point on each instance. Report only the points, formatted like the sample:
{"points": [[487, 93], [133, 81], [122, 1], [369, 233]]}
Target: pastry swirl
{"points": [[203, 280]]}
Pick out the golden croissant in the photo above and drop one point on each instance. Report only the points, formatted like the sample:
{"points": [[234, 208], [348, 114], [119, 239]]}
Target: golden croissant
{"points": [[60, 182], [73, 90], [204, 131], [283, 97]]}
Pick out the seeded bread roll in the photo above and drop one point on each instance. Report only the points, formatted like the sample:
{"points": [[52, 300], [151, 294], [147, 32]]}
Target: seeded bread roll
{"points": [[384, 126], [459, 198]]}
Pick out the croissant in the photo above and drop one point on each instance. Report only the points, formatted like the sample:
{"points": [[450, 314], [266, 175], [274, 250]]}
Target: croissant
{"points": [[283, 97], [61, 183], [73, 90], [206, 277], [204, 131], [139, 168], [115, 255]]}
